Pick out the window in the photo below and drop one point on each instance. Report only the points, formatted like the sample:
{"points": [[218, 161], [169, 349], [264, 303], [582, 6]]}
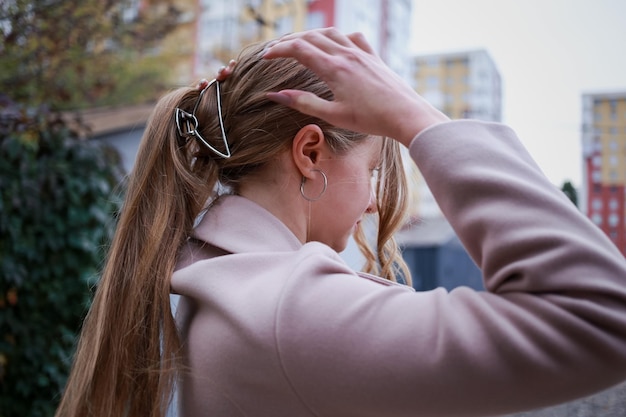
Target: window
{"points": [[613, 220], [432, 81], [318, 20], [597, 161], [596, 176], [613, 104], [432, 61], [596, 204], [597, 144], [597, 219], [284, 25]]}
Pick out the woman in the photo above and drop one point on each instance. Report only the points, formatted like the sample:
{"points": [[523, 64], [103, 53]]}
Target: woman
{"points": [[272, 322]]}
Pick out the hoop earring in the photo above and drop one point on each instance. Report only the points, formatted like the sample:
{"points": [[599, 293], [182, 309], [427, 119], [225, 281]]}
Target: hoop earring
{"points": [[323, 189]]}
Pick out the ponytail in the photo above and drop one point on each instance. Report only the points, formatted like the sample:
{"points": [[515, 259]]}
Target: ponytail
{"points": [[128, 354]]}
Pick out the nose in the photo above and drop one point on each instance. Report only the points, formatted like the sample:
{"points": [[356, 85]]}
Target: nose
{"points": [[372, 207]]}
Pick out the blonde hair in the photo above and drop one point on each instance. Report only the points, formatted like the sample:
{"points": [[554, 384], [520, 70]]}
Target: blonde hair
{"points": [[128, 353]]}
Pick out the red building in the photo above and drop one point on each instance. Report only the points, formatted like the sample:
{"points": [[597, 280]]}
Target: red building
{"points": [[604, 163]]}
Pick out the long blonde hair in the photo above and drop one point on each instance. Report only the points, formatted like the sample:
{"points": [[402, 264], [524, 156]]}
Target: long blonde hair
{"points": [[128, 353]]}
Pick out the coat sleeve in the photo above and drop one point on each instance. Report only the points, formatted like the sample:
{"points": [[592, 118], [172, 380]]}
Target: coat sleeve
{"points": [[550, 327]]}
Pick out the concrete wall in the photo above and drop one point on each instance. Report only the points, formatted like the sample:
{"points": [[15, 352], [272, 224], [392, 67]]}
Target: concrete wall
{"points": [[609, 403]]}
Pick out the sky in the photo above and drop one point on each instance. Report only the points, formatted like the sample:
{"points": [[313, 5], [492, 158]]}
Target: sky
{"points": [[548, 52]]}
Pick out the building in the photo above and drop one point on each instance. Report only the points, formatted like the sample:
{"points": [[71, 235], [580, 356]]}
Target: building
{"points": [[224, 27], [463, 85], [210, 33], [386, 25], [604, 163], [436, 257]]}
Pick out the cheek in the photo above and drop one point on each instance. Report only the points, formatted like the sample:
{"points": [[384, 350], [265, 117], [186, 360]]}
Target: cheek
{"points": [[356, 193]]}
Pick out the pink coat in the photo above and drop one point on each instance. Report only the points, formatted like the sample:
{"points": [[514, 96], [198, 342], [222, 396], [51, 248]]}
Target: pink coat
{"points": [[277, 328]]}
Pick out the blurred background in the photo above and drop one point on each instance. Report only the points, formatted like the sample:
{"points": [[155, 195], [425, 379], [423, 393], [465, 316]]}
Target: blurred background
{"points": [[78, 81]]}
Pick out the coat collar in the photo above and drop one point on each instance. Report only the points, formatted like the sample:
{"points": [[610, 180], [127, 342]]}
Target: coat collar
{"points": [[238, 225]]}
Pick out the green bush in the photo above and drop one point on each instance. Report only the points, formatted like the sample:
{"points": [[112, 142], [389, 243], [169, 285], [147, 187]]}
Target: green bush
{"points": [[56, 218]]}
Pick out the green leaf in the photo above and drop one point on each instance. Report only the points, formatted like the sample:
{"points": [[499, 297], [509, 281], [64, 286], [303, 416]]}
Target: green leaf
{"points": [[55, 202]]}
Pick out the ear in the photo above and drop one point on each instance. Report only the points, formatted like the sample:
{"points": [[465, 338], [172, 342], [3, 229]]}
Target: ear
{"points": [[309, 147]]}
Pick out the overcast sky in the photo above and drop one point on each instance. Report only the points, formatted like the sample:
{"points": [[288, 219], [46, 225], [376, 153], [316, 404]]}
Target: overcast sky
{"points": [[548, 53]]}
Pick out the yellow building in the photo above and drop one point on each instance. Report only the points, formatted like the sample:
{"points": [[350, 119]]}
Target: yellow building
{"points": [[604, 163], [461, 84], [209, 33], [224, 27], [264, 20]]}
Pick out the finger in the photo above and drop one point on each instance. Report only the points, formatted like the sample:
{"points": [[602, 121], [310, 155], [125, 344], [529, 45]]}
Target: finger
{"points": [[220, 76], [304, 52], [336, 36], [305, 102], [330, 33], [224, 72], [359, 40], [202, 84], [328, 41]]}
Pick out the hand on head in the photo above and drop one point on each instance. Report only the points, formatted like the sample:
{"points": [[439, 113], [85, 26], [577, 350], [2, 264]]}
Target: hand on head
{"points": [[222, 74], [225, 72], [368, 96]]}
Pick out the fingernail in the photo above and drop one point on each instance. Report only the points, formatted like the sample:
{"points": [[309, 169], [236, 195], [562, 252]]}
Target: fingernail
{"points": [[268, 46], [280, 98]]}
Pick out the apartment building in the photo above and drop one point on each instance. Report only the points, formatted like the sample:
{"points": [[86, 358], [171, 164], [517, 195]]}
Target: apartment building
{"points": [[224, 27], [463, 85], [604, 163]]}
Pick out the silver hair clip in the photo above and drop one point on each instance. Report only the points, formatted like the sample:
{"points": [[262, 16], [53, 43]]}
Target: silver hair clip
{"points": [[187, 123]]}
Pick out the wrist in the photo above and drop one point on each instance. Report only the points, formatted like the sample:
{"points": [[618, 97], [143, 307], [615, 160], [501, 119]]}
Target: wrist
{"points": [[417, 122]]}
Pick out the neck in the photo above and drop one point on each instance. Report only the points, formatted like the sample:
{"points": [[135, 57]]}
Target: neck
{"points": [[280, 195]]}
